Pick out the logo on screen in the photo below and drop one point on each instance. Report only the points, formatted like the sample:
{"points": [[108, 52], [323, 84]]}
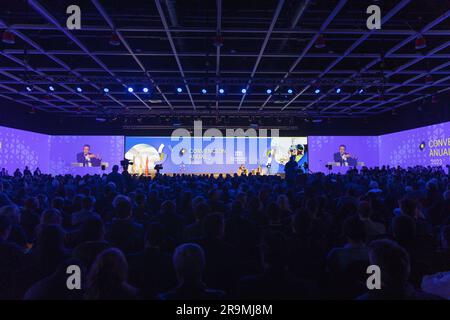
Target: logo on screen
{"points": [[422, 146]]}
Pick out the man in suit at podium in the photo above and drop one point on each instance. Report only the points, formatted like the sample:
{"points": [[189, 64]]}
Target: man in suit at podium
{"points": [[344, 158], [87, 158]]}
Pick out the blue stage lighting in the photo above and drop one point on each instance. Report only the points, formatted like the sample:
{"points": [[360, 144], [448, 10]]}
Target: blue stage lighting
{"points": [[317, 91], [361, 91], [338, 90], [130, 89], [79, 89], [29, 88], [179, 90], [145, 90], [105, 90], [244, 90], [204, 91], [221, 91], [269, 91], [290, 91], [51, 88]]}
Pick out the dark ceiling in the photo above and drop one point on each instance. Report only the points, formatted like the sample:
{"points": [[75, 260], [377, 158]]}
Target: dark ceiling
{"points": [[231, 45]]}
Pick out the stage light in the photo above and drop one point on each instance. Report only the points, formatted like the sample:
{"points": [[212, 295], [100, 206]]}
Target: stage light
{"points": [[420, 42], [221, 91], [145, 90], [269, 91], [29, 88], [317, 91], [8, 37], [114, 40], [320, 42], [204, 91], [105, 90], [179, 90], [290, 91], [130, 89], [51, 88], [79, 89], [338, 90], [361, 91], [244, 91]]}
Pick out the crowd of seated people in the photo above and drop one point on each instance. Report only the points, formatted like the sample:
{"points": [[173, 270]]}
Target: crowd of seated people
{"points": [[231, 237]]}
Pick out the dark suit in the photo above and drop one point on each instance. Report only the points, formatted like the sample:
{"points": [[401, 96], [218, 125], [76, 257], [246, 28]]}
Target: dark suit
{"points": [[338, 158], [94, 161]]}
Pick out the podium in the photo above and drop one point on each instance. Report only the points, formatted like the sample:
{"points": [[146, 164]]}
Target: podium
{"points": [[336, 167], [78, 168]]}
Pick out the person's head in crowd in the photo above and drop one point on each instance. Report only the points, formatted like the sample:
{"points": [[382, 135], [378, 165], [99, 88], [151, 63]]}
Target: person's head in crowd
{"points": [[214, 226], [88, 203], [354, 230], [445, 237], [31, 204], [274, 253], [115, 168], [214, 195], [140, 199], [168, 207], [5, 228], [51, 216], [110, 188], [49, 250], [107, 278], [300, 222], [242, 198], [237, 209], [78, 202], [273, 213], [446, 194], [201, 209], [92, 229], [348, 208], [50, 237], [58, 203], [404, 229], [42, 201], [393, 262], [155, 235], [12, 212], [283, 202], [122, 207], [189, 263], [408, 207], [364, 210], [186, 199]]}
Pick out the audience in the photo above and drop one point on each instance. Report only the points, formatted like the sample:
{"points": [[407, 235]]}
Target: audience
{"points": [[309, 236], [189, 262]]}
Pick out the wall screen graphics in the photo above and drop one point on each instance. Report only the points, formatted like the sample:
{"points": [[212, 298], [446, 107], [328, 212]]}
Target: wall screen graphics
{"points": [[214, 155], [426, 146], [20, 148]]}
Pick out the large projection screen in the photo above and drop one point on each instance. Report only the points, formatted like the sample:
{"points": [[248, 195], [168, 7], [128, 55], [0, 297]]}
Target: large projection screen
{"points": [[203, 155]]}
